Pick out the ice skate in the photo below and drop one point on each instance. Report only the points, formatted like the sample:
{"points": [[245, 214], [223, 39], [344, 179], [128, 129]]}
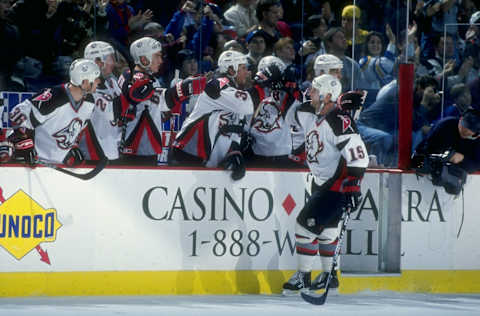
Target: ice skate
{"points": [[297, 282], [321, 280]]}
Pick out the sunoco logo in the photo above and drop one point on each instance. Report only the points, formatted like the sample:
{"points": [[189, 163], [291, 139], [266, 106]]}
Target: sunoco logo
{"points": [[24, 224]]}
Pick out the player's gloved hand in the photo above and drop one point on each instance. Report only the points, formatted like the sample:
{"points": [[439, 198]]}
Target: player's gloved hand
{"points": [[234, 161], [352, 193], [270, 77], [246, 142], [74, 157], [24, 145], [6, 151], [353, 200], [190, 86], [352, 100], [141, 88]]}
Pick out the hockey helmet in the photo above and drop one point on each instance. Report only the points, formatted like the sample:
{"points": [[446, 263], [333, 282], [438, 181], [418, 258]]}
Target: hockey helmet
{"points": [[269, 60], [326, 84], [325, 63], [145, 46], [83, 69], [475, 18], [231, 58], [98, 49]]}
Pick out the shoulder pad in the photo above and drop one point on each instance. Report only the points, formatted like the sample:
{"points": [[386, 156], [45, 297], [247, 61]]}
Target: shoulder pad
{"points": [[306, 107], [49, 99], [341, 123], [214, 86]]}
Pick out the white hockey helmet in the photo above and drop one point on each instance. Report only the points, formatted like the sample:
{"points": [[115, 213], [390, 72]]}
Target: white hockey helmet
{"points": [[145, 46], [475, 18], [326, 84], [231, 58], [268, 60], [325, 62], [83, 69], [98, 49]]}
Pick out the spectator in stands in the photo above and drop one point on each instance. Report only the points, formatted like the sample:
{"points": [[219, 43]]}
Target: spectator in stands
{"points": [[377, 63], [349, 27], [256, 48], [426, 107], [441, 12], [122, 20], [315, 29], [336, 45], [462, 100], [10, 36], [35, 21], [269, 12], [433, 66], [242, 16]]}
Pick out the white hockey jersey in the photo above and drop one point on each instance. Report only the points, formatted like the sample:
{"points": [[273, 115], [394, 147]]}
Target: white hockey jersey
{"points": [[216, 121], [270, 130], [103, 122], [56, 118], [334, 149], [143, 134], [298, 116]]}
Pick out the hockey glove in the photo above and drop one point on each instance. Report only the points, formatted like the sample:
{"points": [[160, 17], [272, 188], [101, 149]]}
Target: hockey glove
{"points": [[6, 151], [189, 87], [270, 77], [74, 157], [351, 100], [141, 88], [234, 161], [22, 140], [352, 193]]}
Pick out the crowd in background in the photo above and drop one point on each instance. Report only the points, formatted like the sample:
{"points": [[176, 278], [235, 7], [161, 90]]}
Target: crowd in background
{"points": [[42, 37]]}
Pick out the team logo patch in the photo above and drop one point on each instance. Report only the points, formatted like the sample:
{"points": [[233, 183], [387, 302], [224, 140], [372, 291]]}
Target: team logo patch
{"points": [[67, 136], [346, 123], [267, 118], [313, 146], [44, 96]]}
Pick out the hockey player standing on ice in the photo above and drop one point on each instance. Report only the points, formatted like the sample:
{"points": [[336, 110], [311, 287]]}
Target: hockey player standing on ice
{"points": [[50, 122], [102, 135], [337, 159], [145, 104], [211, 134], [324, 64]]}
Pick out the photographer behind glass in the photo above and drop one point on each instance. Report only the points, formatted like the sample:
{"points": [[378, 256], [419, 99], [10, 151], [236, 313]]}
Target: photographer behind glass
{"points": [[450, 151]]}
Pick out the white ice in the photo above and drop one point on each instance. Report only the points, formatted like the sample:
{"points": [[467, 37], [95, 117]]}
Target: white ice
{"points": [[366, 303]]}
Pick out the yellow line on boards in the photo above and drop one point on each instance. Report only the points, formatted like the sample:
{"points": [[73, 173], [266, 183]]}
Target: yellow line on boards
{"points": [[220, 282]]}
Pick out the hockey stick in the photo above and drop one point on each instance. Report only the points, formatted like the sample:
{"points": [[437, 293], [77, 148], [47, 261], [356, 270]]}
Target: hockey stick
{"points": [[319, 299], [102, 163]]}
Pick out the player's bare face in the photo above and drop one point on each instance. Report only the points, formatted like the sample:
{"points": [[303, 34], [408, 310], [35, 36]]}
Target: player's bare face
{"points": [[315, 96], [156, 62], [337, 72], [242, 74], [108, 65], [89, 87]]}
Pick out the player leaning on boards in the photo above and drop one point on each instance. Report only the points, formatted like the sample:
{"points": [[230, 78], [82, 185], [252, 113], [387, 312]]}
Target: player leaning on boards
{"points": [[212, 133], [102, 135], [337, 159], [49, 123], [144, 103]]}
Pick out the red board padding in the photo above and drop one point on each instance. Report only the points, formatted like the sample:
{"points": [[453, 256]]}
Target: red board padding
{"points": [[405, 114]]}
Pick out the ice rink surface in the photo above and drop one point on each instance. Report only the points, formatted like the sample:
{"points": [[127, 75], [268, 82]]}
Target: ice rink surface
{"points": [[366, 303]]}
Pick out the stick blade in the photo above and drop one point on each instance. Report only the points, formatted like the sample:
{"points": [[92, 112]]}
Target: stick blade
{"points": [[315, 299]]}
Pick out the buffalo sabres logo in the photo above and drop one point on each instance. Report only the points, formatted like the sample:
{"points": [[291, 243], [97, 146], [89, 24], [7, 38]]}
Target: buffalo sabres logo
{"points": [[346, 123], [66, 136], [267, 118], [225, 120], [313, 146], [44, 96]]}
